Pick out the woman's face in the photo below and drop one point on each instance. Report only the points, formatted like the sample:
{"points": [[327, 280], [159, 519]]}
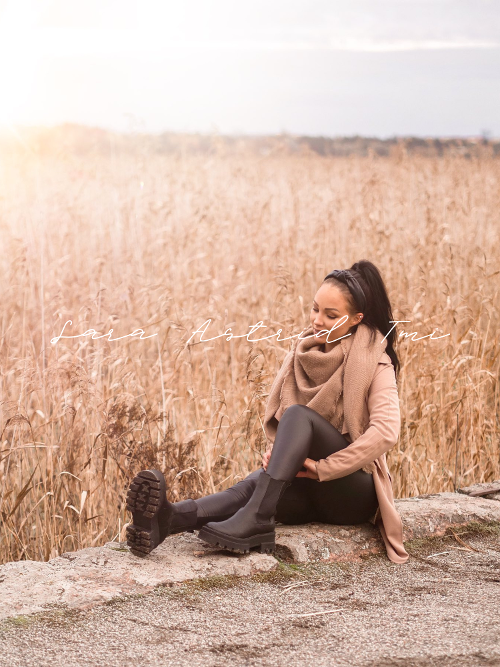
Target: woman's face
{"points": [[328, 309]]}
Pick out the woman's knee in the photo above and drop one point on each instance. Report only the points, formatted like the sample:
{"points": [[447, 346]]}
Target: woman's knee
{"points": [[297, 418], [303, 414], [297, 411]]}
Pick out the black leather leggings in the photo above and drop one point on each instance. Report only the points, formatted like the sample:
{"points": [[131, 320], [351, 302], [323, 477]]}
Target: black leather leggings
{"points": [[302, 433]]}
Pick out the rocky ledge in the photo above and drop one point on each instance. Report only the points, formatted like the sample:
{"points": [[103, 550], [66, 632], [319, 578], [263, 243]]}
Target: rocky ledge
{"points": [[84, 578]]}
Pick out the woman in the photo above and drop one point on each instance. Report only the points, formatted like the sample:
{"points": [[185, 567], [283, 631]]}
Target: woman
{"points": [[331, 415]]}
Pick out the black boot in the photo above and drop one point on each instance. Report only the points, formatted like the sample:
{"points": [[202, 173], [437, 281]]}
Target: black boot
{"points": [[253, 525], [153, 516]]}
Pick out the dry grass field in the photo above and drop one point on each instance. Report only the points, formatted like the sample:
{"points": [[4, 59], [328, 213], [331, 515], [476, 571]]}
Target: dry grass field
{"points": [[144, 240]]}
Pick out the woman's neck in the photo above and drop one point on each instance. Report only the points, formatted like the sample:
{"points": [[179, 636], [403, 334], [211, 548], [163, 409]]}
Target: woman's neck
{"points": [[323, 346]]}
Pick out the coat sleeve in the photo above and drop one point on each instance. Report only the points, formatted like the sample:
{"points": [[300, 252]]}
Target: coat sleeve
{"points": [[380, 436]]}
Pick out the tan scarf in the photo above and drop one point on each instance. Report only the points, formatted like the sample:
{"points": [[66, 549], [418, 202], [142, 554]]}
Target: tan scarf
{"points": [[319, 379]]}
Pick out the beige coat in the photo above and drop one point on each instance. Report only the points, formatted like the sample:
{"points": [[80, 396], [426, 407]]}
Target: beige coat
{"points": [[382, 416], [384, 422]]}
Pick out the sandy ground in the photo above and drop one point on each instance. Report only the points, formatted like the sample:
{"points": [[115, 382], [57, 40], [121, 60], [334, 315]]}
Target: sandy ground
{"points": [[437, 609]]}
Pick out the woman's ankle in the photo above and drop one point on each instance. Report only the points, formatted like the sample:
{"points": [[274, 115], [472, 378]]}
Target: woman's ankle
{"points": [[177, 517]]}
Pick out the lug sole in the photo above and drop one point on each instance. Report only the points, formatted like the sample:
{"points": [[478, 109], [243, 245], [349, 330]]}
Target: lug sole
{"points": [[144, 500], [266, 541]]}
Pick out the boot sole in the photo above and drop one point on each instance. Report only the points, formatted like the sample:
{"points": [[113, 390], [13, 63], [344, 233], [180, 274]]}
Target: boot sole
{"points": [[266, 541], [144, 500]]}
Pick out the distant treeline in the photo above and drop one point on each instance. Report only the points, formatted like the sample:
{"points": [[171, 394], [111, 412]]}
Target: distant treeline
{"points": [[81, 139]]}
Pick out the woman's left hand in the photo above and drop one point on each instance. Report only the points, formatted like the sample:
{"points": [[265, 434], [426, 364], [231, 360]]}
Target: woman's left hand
{"points": [[310, 471]]}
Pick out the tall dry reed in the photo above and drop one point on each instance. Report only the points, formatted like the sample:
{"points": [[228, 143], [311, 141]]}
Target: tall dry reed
{"points": [[126, 241]]}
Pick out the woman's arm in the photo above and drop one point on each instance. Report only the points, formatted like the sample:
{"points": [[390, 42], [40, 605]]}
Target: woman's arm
{"points": [[380, 436]]}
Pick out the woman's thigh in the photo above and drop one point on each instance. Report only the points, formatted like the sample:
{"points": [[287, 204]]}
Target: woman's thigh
{"points": [[296, 504], [326, 439], [345, 501]]}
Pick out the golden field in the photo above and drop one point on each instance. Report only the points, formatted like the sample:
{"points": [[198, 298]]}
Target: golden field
{"points": [[162, 242]]}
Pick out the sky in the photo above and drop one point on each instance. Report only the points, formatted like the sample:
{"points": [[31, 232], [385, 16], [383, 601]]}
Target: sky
{"points": [[318, 67]]}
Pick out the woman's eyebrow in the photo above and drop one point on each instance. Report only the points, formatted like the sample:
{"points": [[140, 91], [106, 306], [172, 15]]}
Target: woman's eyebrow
{"points": [[338, 311]]}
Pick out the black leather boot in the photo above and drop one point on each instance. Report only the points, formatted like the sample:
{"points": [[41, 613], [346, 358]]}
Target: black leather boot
{"points": [[153, 516], [253, 525]]}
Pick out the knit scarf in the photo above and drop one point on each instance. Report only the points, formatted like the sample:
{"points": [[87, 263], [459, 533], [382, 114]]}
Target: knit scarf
{"points": [[335, 384]]}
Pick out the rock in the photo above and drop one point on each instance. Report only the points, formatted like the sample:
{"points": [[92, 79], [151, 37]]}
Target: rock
{"points": [[319, 541], [422, 516], [85, 578], [489, 490], [427, 515]]}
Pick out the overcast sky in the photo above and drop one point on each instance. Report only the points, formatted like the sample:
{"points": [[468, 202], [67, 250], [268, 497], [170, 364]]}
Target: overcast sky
{"points": [[318, 67]]}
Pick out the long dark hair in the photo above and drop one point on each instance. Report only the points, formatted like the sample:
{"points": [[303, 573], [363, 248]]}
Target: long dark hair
{"points": [[377, 313]]}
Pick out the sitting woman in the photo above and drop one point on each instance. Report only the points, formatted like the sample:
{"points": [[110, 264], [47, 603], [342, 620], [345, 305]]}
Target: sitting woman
{"points": [[331, 415]]}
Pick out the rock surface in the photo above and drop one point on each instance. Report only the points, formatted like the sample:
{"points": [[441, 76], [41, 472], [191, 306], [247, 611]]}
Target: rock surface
{"points": [[87, 577], [422, 516], [482, 490], [83, 578]]}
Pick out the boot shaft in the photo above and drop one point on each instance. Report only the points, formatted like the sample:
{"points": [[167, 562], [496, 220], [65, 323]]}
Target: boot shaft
{"points": [[178, 517], [266, 496]]}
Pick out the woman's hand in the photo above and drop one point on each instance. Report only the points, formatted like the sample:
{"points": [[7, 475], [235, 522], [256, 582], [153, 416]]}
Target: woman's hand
{"points": [[310, 471], [265, 459]]}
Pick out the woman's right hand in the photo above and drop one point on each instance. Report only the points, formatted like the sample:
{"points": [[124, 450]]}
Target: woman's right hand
{"points": [[265, 459]]}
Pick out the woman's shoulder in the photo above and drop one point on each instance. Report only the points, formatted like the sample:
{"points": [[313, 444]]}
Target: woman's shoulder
{"points": [[384, 375], [385, 359]]}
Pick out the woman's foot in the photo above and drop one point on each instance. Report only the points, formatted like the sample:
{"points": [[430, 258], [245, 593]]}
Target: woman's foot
{"points": [[153, 516], [252, 525], [145, 500]]}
